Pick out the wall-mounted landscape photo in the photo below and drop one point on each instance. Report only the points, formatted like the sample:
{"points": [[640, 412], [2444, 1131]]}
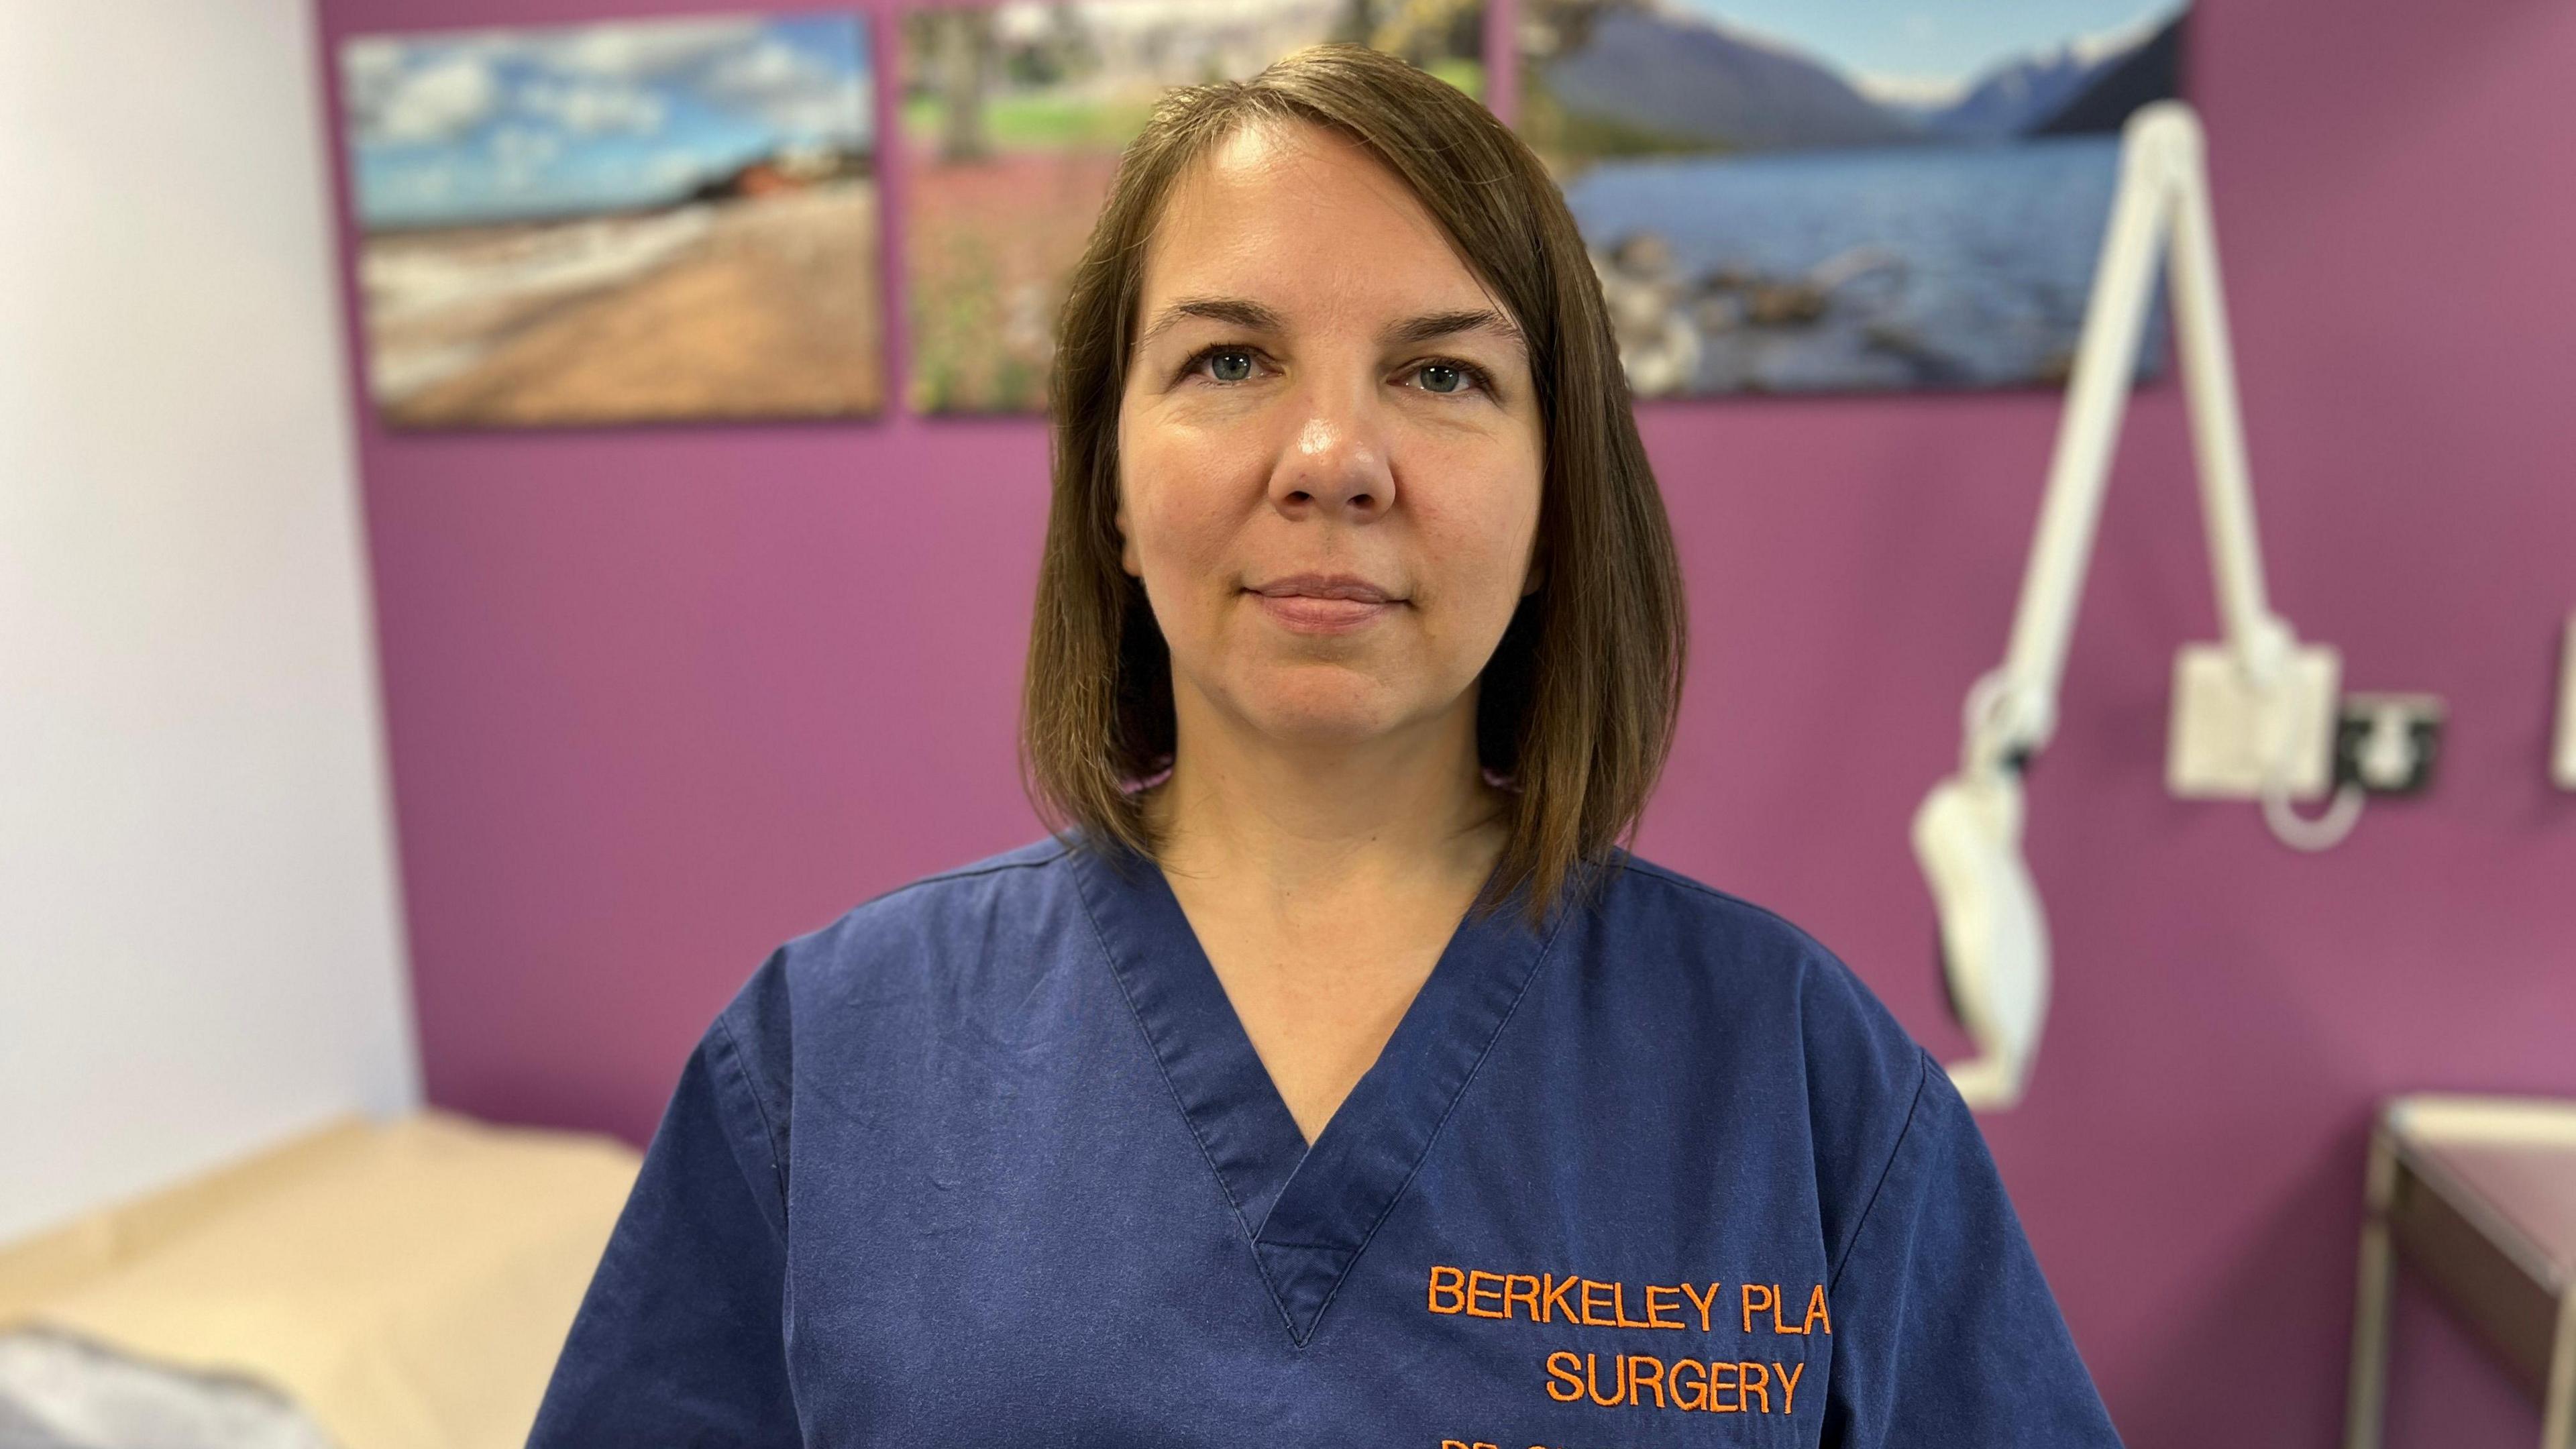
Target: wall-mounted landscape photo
{"points": [[1013, 118], [654, 220], [1784, 196]]}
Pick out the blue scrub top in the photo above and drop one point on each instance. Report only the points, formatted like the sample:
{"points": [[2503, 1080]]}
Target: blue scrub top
{"points": [[990, 1160]]}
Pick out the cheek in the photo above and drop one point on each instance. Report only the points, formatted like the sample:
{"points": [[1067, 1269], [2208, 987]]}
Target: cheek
{"points": [[1483, 557], [1186, 494], [1170, 516], [1483, 533], [1144, 497], [1175, 531]]}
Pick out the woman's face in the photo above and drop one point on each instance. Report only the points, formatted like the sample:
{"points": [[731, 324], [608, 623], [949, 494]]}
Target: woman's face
{"points": [[1329, 451]]}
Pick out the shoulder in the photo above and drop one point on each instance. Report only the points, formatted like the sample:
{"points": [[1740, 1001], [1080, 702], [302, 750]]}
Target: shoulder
{"points": [[932, 907], [1760, 962], [1642, 895], [1794, 1032], [901, 938], [918, 946], [1912, 1218]]}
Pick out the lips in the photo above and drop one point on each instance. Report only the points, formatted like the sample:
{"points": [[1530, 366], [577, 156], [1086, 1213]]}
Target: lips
{"points": [[1324, 603], [1325, 586]]}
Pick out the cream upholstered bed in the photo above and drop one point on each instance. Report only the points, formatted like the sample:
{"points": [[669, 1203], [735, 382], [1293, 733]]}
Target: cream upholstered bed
{"points": [[406, 1284]]}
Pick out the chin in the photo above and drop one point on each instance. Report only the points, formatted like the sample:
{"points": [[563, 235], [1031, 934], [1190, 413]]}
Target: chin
{"points": [[1310, 710]]}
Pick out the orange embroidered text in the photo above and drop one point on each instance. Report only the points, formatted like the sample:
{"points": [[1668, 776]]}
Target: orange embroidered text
{"points": [[1641, 1380]]}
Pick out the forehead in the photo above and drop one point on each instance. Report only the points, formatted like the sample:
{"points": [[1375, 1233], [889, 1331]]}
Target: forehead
{"points": [[1306, 219]]}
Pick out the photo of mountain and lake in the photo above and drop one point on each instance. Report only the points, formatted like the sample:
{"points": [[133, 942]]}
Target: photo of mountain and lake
{"points": [[1842, 195], [628, 221]]}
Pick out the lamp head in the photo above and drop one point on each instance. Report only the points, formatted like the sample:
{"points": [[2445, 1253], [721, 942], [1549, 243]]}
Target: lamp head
{"points": [[1994, 938]]}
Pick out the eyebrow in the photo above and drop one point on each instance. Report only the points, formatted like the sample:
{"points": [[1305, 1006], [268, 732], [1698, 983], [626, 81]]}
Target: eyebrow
{"points": [[1243, 312]]}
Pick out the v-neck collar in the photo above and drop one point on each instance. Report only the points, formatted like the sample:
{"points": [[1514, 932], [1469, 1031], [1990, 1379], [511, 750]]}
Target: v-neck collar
{"points": [[1308, 1212]]}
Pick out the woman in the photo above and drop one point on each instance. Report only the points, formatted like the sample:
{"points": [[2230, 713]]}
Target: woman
{"points": [[1331, 1076]]}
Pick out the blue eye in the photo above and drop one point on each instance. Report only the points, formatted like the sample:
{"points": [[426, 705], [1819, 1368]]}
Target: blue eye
{"points": [[1449, 377], [1232, 362], [1226, 365]]}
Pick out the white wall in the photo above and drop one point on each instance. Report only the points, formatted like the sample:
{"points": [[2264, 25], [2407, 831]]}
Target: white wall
{"points": [[199, 935]]}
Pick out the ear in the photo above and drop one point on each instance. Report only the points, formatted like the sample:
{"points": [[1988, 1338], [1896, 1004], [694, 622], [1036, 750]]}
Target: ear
{"points": [[1127, 559], [1537, 576]]}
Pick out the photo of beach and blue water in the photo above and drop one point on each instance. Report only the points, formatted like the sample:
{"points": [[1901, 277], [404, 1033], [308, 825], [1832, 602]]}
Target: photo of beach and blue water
{"points": [[1842, 195], [620, 222]]}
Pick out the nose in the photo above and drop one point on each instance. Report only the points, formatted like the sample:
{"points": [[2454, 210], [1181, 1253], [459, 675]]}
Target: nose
{"points": [[1337, 464]]}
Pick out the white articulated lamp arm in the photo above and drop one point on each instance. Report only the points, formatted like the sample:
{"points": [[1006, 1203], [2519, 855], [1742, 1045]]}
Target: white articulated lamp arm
{"points": [[1967, 835], [2162, 202]]}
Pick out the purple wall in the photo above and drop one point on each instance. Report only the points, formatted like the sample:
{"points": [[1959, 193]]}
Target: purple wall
{"points": [[661, 698]]}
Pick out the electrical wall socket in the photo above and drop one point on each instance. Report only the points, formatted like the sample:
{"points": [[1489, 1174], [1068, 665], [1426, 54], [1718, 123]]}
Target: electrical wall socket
{"points": [[2387, 743], [2223, 730], [2563, 769]]}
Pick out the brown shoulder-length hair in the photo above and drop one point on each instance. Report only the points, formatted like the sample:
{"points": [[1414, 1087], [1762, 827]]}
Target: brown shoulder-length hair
{"points": [[1576, 707]]}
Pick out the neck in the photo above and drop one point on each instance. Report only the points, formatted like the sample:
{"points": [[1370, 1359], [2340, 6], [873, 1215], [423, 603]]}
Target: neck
{"points": [[1302, 821]]}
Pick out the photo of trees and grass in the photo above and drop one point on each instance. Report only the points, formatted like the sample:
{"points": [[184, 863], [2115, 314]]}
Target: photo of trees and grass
{"points": [[1013, 118]]}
